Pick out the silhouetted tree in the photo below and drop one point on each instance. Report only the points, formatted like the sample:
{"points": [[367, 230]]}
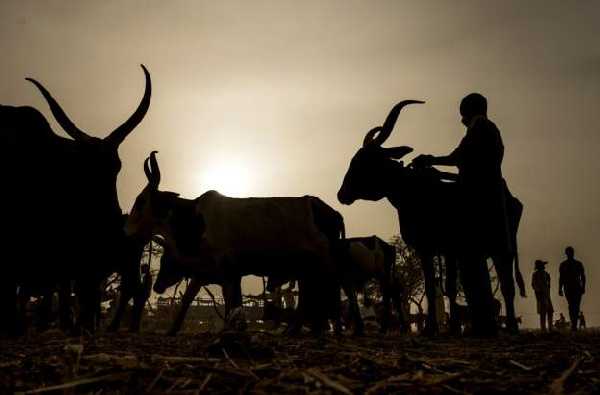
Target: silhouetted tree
{"points": [[407, 276]]}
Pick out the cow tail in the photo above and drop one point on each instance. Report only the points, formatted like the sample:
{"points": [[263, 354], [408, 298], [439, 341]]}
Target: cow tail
{"points": [[518, 275]]}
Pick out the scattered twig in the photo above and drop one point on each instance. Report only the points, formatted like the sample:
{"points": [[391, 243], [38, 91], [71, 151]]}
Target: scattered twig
{"points": [[176, 359], [520, 365], [448, 377], [153, 383], [329, 382], [73, 384], [205, 382], [557, 386], [231, 361]]}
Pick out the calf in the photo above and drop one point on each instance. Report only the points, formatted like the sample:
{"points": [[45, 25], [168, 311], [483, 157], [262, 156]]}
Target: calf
{"points": [[362, 259], [233, 237]]}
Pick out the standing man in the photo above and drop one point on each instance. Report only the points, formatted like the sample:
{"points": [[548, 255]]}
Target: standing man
{"points": [[540, 282], [482, 208], [572, 280]]}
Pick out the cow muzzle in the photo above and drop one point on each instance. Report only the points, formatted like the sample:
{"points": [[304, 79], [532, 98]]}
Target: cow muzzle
{"points": [[344, 198]]}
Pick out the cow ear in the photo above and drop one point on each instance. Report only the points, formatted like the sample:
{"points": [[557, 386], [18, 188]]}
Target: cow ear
{"points": [[398, 152]]}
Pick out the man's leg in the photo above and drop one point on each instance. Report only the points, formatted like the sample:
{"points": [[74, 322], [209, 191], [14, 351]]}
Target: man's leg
{"points": [[481, 299], [543, 322], [574, 301]]}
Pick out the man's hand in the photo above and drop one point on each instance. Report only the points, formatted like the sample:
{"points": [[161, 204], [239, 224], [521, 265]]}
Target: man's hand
{"points": [[422, 161]]}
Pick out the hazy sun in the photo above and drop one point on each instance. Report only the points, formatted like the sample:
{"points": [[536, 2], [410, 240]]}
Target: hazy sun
{"points": [[228, 178]]}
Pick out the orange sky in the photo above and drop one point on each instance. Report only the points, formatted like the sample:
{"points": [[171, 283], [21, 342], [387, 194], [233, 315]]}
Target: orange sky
{"points": [[284, 92]]}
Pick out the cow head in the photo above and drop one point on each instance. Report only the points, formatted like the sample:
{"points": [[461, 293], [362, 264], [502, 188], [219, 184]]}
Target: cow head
{"points": [[369, 176], [149, 216], [169, 274], [164, 217], [93, 163]]}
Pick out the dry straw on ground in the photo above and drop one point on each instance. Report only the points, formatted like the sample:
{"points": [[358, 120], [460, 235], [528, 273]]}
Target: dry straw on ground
{"points": [[268, 363]]}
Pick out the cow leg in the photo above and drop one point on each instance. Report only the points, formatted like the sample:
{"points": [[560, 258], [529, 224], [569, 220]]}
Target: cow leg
{"points": [[140, 297], [431, 326], [45, 303], [122, 306], [451, 291], [353, 310], [89, 296], [139, 301], [396, 296], [188, 297], [232, 293], [386, 289], [504, 269], [322, 301], [66, 319], [299, 314], [131, 287]]}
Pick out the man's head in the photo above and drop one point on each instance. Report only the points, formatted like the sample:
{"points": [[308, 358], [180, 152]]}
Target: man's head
{"points": [[570, 252], [540, 265], [472, 105]]}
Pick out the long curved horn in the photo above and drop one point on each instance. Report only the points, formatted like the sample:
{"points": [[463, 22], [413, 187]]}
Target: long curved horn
{"points": [[151, 169], [154, 168], [119, 134], [60, 116], [147, 170], [391, 119], [370, 134]]}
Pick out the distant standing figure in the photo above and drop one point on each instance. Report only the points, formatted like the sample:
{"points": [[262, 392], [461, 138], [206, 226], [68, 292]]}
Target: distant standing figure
{"points": [[572, 281], [540, 282], [582, 320]]}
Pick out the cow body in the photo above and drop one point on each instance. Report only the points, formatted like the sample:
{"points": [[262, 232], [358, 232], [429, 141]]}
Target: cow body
{"points": [[363, 259], [427, 207], [61, 201], [228, 238]]}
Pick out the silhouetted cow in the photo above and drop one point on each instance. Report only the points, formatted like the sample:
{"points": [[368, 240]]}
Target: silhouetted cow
{"points": [[363, 259], [171, 273], [233, 237], [427, 209], [60, 211]]}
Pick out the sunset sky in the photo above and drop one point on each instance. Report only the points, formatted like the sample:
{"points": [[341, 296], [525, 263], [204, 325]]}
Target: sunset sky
{"points": [[273, 98]]}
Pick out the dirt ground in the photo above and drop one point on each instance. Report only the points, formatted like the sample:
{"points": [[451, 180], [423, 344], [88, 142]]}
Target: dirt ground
{"points": [[269, 362]]}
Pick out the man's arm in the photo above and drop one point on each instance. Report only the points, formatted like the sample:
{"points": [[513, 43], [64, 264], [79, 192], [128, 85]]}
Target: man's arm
{"points": [[560, 281], [582, 278], [430, 160]]}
